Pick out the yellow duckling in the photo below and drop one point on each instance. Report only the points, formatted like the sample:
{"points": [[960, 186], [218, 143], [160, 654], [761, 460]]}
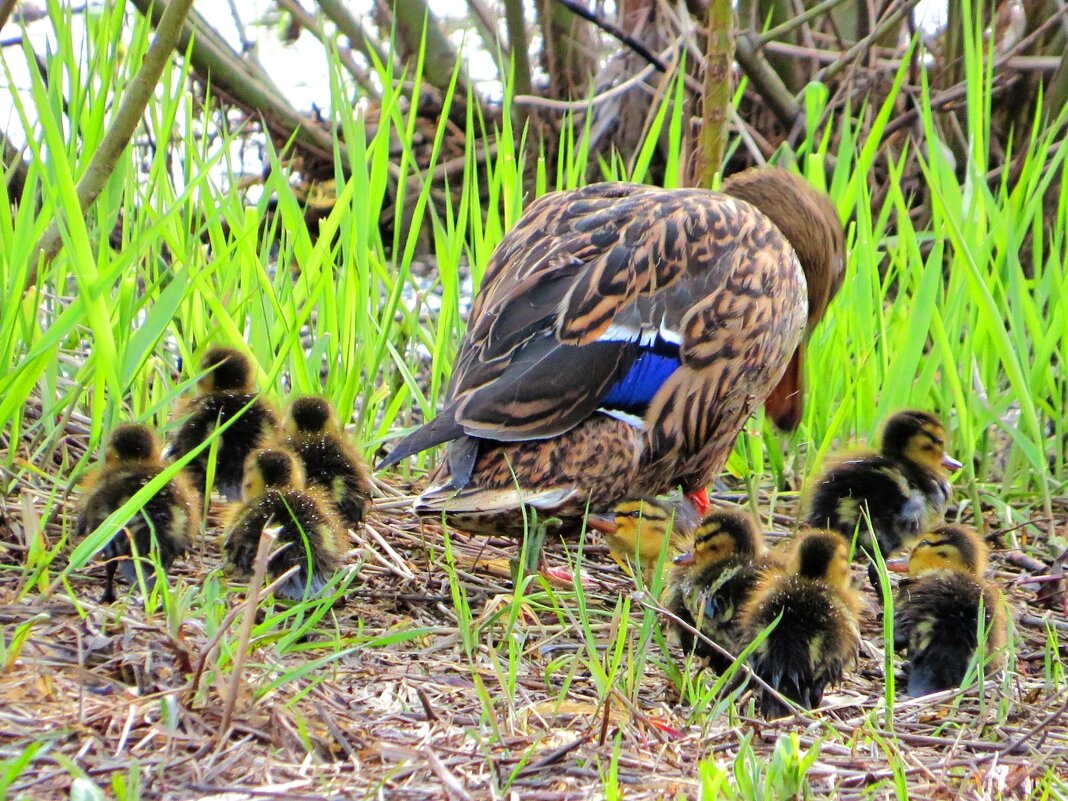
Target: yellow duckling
{"points": [[937, 612], [311, 537], [709, 584], [902, 490], [165, 524], [227, 387], [312, 431], [818, 634], [637, 528]]}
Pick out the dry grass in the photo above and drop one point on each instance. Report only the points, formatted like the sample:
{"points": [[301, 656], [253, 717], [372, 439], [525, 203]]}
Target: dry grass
{"points": [[408, 711]]}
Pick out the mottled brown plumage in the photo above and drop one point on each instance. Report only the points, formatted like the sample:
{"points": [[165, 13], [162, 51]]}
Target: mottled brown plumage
{"points": [[164, 525], [224, 392], [310, 535], [331, 462], [621, 337]]}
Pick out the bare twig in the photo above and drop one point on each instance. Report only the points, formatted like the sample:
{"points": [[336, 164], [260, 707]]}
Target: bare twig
{"points": [[267, 539], [127, 118]]}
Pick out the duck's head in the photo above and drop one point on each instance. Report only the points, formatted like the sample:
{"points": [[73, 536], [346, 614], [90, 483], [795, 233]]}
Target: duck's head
{"points": [[809, 221], [721, 535], [949, 547], [131, 443], [645, 517], [271, 469], [226, 370], [823, 556], [311, 415], [920, 438]]}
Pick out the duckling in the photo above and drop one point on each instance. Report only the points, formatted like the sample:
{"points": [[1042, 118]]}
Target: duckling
{"points": [[818, 635], [312, 431], [166, 522], [937, 610], [227, 387], [902, 490], [637, 528], [311, 536], [709, 584]]}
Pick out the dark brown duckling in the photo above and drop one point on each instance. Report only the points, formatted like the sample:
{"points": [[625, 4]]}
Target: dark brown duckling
{"points": [[818, 635], [227, 387], [709, 584], [937, 611], [164, 525], [275, 495], [903, 490], [331, 462]]}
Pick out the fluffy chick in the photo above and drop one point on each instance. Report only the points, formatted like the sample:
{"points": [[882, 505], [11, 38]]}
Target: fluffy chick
{"points": [[936, 617], [164, 525], [710, 583], [226, 388], [903, 490], [331, 462], [310, 536], [817, 636]]}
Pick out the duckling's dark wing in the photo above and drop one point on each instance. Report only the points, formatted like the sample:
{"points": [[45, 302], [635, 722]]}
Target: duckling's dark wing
{"points": [[597, 298], [866, 482], [937, 621], [810, 648], [331, 464], [206, 413]]}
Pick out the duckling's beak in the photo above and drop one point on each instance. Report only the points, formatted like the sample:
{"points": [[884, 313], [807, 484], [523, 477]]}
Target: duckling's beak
{"points": [[950, 463], [685, 559], [899, 565], [606, 524]]}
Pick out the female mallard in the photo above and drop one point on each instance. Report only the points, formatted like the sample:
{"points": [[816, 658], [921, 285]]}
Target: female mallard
{"points": [[227, 389], [902, 490], [165, 524], [936, 617], [621, 337]]}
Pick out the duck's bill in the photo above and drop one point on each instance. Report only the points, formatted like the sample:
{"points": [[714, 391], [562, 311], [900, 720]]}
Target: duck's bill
{"points": [[603, 523], [786, 402], [685, 559], [950, 463], [898, 565]]}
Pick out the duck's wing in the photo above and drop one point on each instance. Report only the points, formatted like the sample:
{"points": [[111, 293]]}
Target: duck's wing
{"points": [[597, 297]]}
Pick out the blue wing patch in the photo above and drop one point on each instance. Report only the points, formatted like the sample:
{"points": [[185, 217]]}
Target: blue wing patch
{"points": [[643, 380]]}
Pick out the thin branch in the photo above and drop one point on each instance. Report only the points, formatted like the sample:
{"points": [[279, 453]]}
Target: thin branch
{"points": [[354, 31], [766, 80], [122, 128], [518, 47], [6, 7], [616, 32]]}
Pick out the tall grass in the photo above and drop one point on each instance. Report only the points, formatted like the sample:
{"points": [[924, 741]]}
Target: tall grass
{"points": [[947, 318]]}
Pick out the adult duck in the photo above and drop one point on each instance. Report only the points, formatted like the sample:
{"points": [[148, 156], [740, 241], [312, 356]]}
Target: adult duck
{"points": [[622, 336]]}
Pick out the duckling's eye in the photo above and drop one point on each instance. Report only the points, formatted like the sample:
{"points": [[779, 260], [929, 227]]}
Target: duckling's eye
{"points": [[636, 514]]}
